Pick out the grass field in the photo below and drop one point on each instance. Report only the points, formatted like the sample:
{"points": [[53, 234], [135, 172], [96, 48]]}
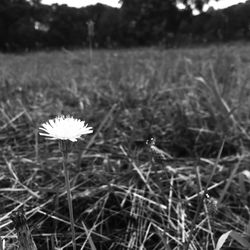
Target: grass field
{"points": [[183, 192]]}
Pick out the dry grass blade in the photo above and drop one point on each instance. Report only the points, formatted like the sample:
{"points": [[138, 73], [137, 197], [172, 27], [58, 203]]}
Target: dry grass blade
{"points": [[10, 121], [193, 225], [214, 186], [89, 238], [102, 124], [1, 244], [7, 215], [137, 169], [205, 206], [9, 165], [229, 180]]}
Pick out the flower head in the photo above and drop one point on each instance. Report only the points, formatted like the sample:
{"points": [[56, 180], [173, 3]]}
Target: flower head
{"points": [[65, 128]]}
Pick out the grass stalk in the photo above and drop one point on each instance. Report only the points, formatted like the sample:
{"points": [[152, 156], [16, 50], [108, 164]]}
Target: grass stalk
{"points": [[64, 151], [201, 200]]}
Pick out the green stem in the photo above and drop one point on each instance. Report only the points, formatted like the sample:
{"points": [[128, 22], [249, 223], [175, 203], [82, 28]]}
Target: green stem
{"points": [[66, 173]]}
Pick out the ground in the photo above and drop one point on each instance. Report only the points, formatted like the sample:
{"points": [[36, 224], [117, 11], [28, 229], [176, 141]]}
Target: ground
{"points": [[167, 125]]}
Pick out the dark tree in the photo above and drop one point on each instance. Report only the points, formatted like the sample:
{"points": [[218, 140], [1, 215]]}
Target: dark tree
{"points": [[106, 24], [17, 31], [149, 21], [66, 26], [28, 24]]}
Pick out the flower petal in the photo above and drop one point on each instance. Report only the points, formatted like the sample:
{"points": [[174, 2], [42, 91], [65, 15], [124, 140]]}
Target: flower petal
{"points": [[65, 128]]}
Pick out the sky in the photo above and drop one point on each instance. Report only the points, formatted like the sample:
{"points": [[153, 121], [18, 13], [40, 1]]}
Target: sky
{"points": [[224, 3], [114, 3]]}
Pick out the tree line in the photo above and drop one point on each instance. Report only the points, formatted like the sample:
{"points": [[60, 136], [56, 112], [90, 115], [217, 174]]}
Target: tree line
{"points": [[31, 25]]}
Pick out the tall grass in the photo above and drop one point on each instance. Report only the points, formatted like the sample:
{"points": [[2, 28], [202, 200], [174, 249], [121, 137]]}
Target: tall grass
{"points": [[126, 195]]}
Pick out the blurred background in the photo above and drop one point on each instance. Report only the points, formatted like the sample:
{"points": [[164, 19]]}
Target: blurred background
{"points": [[35, 24]]}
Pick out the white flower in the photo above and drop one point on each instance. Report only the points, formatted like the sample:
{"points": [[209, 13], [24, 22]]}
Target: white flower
{"points": [[65, 128]]}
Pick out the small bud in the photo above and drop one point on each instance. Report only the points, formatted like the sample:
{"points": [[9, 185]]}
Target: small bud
{"points": [[212, 206]]}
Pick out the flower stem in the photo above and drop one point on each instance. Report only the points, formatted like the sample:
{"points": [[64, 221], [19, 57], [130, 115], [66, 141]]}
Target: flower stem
{"points": [[69, 198]]}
